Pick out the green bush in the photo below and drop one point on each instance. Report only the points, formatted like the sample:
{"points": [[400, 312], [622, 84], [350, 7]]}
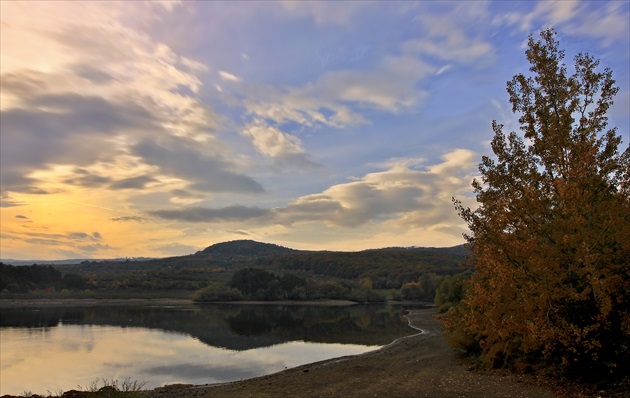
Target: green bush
{"points": [[217, 292]]}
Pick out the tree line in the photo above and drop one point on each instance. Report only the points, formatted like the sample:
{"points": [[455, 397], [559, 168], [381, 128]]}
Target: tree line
{"points": [[386, 268], [259, 284], [23, 279]]}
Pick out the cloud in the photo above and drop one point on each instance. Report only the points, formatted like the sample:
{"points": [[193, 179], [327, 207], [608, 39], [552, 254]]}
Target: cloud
{"points": [[447, 38], [77, 243], [242, 233], [139, 182], [551, 12], [201, 214], [86, 178], [323, 13], [395, 83], [7, 201], [228, 76], [337, 98], [607, 22], [130, 219], [174, 249], [47, 242], [272, 142], [285, 149], [84, 236], [94, 89], [177, 110], [302, 108], [405, 195], [394, 194], [94, 247], [71, 129], [21, 217], [201, 165], [392, 86], [45, 235]]}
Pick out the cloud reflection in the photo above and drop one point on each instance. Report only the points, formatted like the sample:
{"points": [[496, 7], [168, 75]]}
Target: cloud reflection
{"points": [[82, 354]]}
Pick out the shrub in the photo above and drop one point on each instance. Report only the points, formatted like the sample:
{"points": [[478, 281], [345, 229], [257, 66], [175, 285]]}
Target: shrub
{"points": [[217, 292]]}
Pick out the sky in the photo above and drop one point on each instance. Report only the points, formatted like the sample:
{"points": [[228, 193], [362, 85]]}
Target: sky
{"points": [[157, 129]]}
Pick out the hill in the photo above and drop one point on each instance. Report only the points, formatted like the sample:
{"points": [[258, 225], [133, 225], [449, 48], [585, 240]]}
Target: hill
{"points": [[243, 249], [17, 263], [387, 268], [176, 277]]}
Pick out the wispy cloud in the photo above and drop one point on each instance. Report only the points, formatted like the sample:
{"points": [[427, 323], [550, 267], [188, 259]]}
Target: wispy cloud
{"points": [[603, 21], [96, 98], [228, 76], [324, 13], [174, 248], [79, 243], [130, 219]]}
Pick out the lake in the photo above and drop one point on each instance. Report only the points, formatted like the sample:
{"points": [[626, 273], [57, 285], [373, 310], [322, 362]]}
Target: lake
{"points": [[61, 348]]}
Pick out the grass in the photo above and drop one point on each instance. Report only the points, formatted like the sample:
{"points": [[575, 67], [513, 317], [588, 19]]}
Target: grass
{"points": [[100, 388]]}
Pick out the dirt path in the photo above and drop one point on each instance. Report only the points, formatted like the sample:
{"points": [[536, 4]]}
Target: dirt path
{"points": [[422, 365]]}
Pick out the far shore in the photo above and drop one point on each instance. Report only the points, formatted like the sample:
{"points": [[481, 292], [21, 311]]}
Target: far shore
{"points": [[88, 302], [74, 302], [77, 302]]}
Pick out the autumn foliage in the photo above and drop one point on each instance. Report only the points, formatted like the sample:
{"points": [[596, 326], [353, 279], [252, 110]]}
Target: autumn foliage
{"points": [[551, 234]]}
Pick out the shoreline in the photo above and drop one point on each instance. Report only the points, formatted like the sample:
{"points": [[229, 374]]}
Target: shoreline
{"points": [[72, 302], [417, 365], [87, 302]]}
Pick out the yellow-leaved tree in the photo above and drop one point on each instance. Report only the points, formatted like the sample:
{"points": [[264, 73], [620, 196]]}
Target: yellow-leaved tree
{"points": [[551, 234]]}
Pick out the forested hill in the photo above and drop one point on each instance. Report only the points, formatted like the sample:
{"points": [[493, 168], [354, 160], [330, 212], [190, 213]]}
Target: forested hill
{"points": [[386, 268], [243, 248]]}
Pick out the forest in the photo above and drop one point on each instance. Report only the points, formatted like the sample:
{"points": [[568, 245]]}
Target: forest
{"points": [[249, 270]]}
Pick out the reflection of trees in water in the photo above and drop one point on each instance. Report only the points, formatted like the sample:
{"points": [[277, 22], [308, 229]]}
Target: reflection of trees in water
{"points": [[237, 327], [39, 318]]}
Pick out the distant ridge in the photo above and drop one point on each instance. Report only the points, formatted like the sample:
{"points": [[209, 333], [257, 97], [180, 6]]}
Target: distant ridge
{"points": [[459, 250], [72, 261], [245, 248]]}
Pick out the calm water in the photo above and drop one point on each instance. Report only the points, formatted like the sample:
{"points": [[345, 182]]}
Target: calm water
{"points": [[54, 349]]}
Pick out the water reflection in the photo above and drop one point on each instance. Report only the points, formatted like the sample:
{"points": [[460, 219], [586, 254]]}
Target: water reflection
{"points": [[60, 348]]}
